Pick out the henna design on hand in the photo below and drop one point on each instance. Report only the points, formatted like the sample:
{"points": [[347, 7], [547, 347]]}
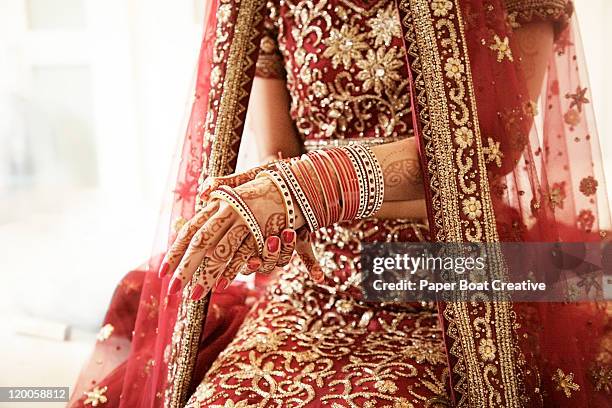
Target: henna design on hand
{"points": [[260, 189], [247, 249], [274, 224], [185, 235], [401, 171], [225, 249]]}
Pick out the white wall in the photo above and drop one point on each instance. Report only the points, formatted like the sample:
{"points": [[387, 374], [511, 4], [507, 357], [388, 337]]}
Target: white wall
{"points": [[95, 93]]}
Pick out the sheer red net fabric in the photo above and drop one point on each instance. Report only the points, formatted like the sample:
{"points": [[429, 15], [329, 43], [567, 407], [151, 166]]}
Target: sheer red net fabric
{"points": [[128, 367], [547, 184]]}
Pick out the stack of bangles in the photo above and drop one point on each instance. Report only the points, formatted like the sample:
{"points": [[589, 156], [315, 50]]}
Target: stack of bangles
{"points": [[338, 184]]}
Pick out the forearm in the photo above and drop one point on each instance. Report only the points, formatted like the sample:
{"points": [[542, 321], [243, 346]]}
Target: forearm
{"points": [[269, 121], [535, 44]]}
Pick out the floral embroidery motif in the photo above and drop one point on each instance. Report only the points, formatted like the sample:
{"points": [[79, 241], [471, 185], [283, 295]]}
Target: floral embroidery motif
{"points": [[441, 8], [105, 332], [345, 67], [379, 69], [385, 26], [492, 152], [344, 45], [386, 386], [472, 208], [585, 220], [578, 99], [565, 382], [503, 48], [403, 360], [464, 137], [454, 68], [96, 397], [487, 349], [588, 186]]}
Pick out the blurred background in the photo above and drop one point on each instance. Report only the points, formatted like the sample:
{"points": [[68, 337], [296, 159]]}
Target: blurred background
{"points": [[93, 96]]}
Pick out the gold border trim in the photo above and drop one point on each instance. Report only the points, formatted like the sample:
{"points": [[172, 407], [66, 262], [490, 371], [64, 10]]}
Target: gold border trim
{"points": [[231, 77], [448, 108]]}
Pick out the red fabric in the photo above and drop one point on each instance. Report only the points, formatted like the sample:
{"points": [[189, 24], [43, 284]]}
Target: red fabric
{"points": [[565, 169], [145, 328], [547, 189]]}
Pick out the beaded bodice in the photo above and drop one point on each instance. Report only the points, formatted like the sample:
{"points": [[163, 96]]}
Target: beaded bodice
{"points": [[345, 67]]}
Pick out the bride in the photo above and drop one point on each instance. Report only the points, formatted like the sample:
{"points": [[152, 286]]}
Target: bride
{"points": [[376, 121]]}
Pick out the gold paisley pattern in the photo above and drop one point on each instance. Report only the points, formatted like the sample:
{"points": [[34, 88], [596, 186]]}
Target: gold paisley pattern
{"points": [[302, 347]]}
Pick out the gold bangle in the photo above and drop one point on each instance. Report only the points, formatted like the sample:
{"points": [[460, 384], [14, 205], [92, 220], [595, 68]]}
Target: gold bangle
{"points": [[285, 171], [228, 195], [370, 176], [285, 192]]}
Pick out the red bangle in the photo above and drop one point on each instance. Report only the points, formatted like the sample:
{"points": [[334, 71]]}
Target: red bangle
{"points": [[348, 181], [330, 191], [312, 196]]}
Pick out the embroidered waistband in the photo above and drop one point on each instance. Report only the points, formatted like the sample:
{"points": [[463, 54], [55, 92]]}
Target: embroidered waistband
{"points": [[314, 144]]}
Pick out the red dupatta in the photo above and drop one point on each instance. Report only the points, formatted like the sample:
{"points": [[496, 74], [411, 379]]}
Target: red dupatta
{"points": [[489, 178], [154, 349], [500, 354]]}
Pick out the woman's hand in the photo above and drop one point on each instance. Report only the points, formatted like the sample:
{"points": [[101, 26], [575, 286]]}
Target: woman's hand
{"points": [[219, 234]]}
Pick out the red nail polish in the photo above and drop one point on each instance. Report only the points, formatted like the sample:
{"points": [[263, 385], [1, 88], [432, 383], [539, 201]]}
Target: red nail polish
{"points": [[163, 270], [253, 264], [175, 286], [273, 244], [288, 235], [222, 283], [197, 292]]}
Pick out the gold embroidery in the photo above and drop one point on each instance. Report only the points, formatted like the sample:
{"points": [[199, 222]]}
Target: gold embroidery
{"points": [[385, 26], [346, 69], [493, 152], [344, 45], [228, 98], [338, 361], [96, 397], [448, 107], [524, 11], [105, 332], [441, 7], [565, 382], [472, 208], [502, 47], [378, 69]]}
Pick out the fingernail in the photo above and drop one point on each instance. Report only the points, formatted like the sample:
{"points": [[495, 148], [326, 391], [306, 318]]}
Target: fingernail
{"points": [[197, 292], [288, 235], [223, 283], [163, 270], [273, 244], [175, 286], [253, 264]]}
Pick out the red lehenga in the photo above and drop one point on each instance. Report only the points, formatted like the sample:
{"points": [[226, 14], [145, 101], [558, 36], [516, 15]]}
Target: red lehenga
{"points": [[447, 73]]}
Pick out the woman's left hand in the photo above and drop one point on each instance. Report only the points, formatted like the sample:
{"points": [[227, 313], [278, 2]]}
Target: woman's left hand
{"points": [[219, 234]]}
